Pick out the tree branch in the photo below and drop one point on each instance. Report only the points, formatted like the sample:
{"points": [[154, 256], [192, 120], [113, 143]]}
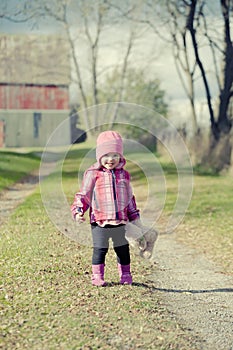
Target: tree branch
{"points": [[190, 27]]}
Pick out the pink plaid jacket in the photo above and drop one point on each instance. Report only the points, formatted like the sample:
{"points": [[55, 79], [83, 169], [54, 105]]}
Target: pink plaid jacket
{"points": [[107, 194]]}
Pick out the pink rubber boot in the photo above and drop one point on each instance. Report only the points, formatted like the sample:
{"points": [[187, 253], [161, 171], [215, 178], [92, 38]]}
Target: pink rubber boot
{"points": [[97, 277], [124, 273]]}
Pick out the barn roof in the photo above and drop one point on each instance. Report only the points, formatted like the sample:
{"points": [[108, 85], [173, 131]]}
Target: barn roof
{"points": [[34, 59]]}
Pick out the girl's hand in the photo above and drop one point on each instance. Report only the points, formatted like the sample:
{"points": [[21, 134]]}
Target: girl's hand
{"points": [[79, 218]]}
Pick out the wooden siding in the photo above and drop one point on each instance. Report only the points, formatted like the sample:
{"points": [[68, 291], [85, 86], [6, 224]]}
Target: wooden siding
{"points": [[27, 128], [13, 96]]}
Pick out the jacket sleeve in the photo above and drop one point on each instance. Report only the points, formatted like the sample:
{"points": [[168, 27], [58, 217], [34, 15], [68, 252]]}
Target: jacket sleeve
{"points": [[132, 211], [82, 199]]}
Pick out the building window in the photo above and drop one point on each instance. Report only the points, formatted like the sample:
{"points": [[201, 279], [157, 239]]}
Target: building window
{"points": [[36, 122]]}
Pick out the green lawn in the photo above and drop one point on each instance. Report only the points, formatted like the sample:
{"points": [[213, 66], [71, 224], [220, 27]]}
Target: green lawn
{"points": [[14, 166], [46, 299], [208, 223]]}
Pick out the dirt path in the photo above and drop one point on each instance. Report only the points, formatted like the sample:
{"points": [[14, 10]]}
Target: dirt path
{"points": [[194, 290], [11, 197]]}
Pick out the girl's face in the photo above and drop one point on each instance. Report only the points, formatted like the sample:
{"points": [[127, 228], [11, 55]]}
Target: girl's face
{"points": [[110, 160]]}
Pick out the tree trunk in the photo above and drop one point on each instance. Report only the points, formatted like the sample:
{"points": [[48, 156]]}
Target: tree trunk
{"points": [[219, 153], [231, 161]]}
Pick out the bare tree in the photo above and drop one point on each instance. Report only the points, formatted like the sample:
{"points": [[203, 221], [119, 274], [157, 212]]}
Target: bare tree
{"points": [[120, 96], [26, 11], [185, 66], [87, 25], [220, 118], [190, 28]]}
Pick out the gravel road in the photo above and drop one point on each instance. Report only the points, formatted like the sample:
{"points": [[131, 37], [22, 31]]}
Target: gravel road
{"points": [[196, 292]]}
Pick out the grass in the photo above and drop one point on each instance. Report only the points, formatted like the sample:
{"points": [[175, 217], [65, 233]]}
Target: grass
{"points": [[208, 223], [46, 299], [14, 166]]}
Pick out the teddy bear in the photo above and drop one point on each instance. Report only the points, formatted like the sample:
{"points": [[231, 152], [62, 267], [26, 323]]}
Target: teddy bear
{"points": [[141, 238]]}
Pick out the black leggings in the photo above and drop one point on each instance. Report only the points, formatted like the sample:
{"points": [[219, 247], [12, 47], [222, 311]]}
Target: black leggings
{"points": [[101, 236]]}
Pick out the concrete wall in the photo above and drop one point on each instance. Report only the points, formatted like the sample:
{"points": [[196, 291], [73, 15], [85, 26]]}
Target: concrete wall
{"points": [[29, 128]]}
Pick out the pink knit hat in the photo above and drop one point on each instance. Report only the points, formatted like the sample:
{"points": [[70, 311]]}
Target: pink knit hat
{"points": [[109, 141]]}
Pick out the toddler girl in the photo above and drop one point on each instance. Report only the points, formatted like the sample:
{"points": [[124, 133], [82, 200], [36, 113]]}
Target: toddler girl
{"points": [[106, 191]]}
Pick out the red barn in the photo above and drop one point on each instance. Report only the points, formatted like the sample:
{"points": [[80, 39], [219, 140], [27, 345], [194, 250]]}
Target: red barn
{"points": [[34, 89]]}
